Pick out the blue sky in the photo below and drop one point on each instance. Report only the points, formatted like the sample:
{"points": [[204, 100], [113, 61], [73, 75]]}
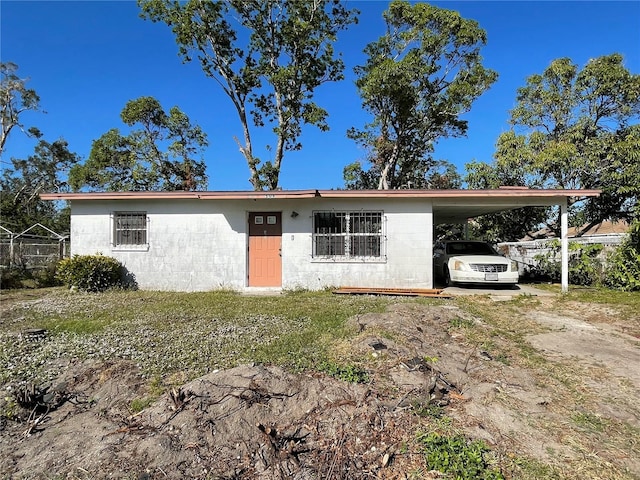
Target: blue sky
{"points": [[86, 59]]}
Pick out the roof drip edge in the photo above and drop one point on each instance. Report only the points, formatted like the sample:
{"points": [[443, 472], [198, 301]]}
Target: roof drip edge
{"points": [[504, 193]]}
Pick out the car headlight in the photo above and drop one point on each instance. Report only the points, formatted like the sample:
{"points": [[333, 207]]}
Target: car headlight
{"points": [[460, 265], [514, 266]]}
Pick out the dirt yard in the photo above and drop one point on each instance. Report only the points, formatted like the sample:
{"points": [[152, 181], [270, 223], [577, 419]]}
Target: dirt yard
{"points": [[551, 386]]}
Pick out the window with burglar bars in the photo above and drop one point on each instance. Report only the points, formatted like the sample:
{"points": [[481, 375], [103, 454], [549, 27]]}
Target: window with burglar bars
{"points": [[348, 234], [130, 228]]}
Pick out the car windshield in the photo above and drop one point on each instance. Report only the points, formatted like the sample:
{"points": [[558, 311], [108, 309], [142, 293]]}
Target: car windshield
{"points": [[469, 248]]}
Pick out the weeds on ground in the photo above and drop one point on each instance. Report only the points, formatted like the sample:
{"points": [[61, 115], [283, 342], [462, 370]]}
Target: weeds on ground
{"points": [[156, 389], [443, 447], [589, 422], [458, 322], [348, 373], [427, 410], [139, 404], [457, 457]]}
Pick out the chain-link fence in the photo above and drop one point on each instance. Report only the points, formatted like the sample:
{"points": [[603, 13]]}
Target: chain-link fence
{"points": [[35, 248]]}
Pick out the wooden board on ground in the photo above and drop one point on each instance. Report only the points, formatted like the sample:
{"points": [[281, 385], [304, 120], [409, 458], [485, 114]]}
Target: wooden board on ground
{"points": [[411, 292]]}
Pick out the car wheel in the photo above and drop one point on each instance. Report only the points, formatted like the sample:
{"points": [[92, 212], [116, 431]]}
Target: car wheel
{"points": [[447, 277]]}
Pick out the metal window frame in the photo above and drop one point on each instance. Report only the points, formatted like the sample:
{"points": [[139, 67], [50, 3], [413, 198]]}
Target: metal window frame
{"points": [[348, 236], [116, 232]]}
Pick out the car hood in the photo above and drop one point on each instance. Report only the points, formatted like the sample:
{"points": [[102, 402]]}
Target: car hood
{"points": [[481, 259]]}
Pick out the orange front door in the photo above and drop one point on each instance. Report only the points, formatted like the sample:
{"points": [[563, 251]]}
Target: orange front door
{"points": [[265, 249]]}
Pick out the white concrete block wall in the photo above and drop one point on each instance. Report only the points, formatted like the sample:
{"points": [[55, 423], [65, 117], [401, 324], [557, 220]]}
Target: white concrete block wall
{"points": [[408, 248], [199, 245], [191, 246]]}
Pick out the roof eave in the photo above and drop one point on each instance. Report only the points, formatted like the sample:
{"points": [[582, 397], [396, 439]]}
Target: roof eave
{"points": [[298, 194]]}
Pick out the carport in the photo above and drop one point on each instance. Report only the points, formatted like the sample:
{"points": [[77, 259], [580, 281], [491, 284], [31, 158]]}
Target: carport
{"points": [[458, 206]]}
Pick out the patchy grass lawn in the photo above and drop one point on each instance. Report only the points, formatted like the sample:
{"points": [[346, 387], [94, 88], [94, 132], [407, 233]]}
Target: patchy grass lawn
{"points": [[170, 333], [175, 337]]}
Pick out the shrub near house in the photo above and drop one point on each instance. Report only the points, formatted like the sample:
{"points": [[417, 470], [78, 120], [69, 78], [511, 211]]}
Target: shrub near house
{"points": [[623, 265], [585, 265], [92, 273]]}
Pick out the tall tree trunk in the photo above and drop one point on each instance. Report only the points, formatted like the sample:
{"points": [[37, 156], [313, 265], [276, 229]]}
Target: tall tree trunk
{"points": [[387, 171]]}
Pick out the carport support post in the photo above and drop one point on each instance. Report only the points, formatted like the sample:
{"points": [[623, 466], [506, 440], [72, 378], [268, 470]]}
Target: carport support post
{"points": [[564, 242]]}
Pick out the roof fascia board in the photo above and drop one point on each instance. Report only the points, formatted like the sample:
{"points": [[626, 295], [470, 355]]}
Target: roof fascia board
{"points": [[436, 195], [194, 195], [116, 195]]}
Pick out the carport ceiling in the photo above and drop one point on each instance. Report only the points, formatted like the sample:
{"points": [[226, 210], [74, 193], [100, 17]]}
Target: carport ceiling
{"points": [[459, 210]]}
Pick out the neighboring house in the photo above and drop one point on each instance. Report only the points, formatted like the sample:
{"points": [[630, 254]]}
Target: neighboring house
{"points": [[606, 232], [311, 239]]}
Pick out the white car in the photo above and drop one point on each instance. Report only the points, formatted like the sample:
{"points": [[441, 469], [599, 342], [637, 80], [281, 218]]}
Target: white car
{"points": [[466, 261]]}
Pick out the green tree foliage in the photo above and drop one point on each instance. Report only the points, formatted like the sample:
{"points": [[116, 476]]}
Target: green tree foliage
{"points": [[21, 185], [428, 173], [268, 57], [508, 225], [23, 180], [15, 99], [419, 78], [158, 155], [623, 265], [575, 128]]}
